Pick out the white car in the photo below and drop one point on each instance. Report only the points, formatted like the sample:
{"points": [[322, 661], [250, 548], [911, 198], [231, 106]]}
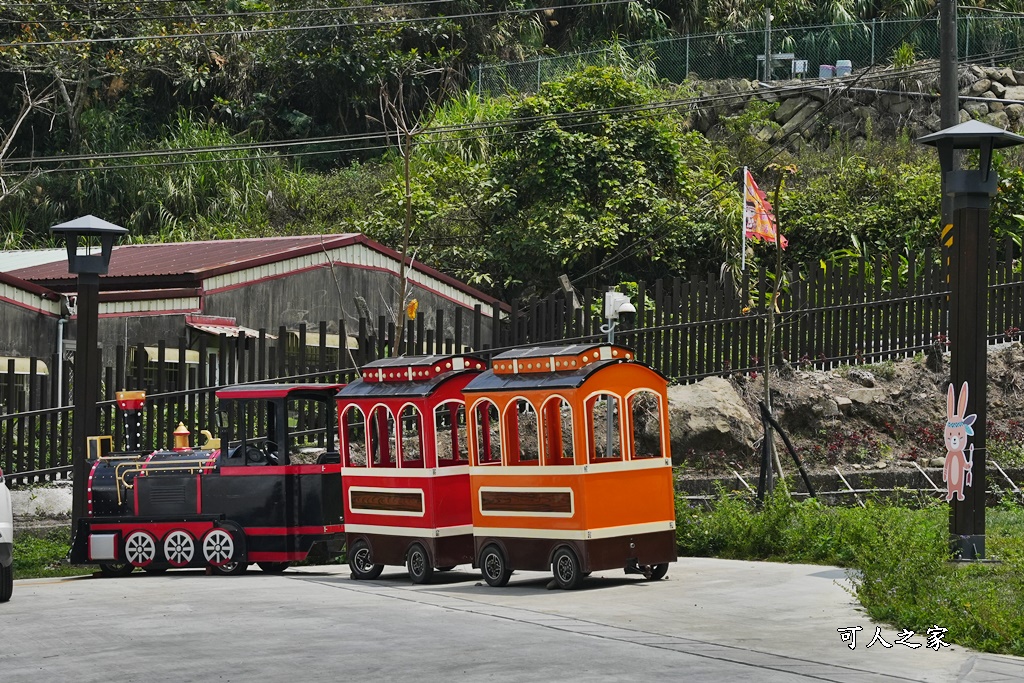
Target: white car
{"points": [[6, 542]]}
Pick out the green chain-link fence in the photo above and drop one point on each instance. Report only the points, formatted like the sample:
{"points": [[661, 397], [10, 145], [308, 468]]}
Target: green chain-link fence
{"points": [[991, 39]]}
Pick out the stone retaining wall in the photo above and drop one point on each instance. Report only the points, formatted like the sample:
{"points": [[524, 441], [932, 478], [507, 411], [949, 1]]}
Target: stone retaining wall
{"points": [[876, 102]]}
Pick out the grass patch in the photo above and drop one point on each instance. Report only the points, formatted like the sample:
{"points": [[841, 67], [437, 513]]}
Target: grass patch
{"points": [[39, 556], [901, 554]]}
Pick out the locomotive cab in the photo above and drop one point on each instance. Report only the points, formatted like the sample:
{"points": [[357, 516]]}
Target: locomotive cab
{"points": [[296, 423]]}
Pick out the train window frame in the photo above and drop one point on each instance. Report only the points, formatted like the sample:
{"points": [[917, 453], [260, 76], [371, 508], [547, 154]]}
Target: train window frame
{"points": [[414, 463], [546, 429], [374, 438], [513, 425], [631, 426], [346, 443], [475, 434], [458, 445], [590, 405]]}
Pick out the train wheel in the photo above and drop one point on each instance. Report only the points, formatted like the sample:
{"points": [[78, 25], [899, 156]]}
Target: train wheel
{"points": [[218, 547], [360, 561], [494, 566], [179, 548], [418, 563], [567, 569], [274, 567], [6, 582], [140, 548], [658, 571], [116, 568]]}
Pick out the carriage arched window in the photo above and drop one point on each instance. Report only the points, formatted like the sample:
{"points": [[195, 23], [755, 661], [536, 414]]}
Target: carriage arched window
{"points": [[411, 426], [452, 446], [521, 430], [353, 437], [604, 436], [487, 433], [556, 430], [381, 429], [645, 420]]}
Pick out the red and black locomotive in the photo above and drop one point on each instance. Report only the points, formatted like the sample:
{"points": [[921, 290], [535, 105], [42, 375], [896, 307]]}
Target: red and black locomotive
{"points": [[235, 500]]}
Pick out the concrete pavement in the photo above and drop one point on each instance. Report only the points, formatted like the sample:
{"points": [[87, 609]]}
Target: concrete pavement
{"points": [[710, 620]]}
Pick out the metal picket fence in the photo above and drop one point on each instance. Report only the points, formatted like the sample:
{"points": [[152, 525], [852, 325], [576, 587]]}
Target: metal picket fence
{"points": [[710, 56]]}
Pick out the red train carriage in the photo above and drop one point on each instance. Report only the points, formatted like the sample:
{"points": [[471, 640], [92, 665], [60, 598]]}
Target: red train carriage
{"points": [[406, 476], [221, 507], [569, 464]]}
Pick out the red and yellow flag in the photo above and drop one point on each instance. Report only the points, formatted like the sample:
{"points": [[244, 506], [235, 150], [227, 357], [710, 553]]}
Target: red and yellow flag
{"points": [[759, 219]]}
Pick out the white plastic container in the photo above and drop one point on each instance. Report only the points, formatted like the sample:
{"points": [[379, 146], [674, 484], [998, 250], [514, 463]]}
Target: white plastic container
{"points": [[844, 67]]}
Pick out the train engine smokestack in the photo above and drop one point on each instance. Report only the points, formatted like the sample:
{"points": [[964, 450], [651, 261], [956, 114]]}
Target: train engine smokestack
{"points": [[132, 404]]}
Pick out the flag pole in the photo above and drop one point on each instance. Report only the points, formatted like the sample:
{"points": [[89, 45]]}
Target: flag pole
{"points": [[743, 225]]}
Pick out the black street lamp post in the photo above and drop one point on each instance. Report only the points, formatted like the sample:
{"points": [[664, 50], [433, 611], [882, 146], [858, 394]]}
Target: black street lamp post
{"points": [[89, 242], [972, 191]]}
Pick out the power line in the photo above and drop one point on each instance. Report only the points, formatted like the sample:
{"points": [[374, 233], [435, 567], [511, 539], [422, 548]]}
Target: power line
{"points": [[228, 15], [316, 27], [691, 103]]}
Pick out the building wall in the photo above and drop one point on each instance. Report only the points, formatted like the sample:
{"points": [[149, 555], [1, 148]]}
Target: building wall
{"points": [[145, 329], [330, 294], [26, 333]]}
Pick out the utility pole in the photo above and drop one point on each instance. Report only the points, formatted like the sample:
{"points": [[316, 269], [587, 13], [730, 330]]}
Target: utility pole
{"points": [[949, 100], [767, 43]]}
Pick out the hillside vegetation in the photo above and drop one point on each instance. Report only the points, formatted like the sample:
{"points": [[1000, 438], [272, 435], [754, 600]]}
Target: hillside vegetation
{"points": [[185, 120]]}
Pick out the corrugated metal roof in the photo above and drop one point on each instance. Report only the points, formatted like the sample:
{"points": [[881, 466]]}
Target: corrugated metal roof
{"points": [[179, 258], [188, 264]]}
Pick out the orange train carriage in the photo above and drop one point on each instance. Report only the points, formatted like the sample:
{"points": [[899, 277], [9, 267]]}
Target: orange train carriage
{"points": [[569, 465], [405, 478]]}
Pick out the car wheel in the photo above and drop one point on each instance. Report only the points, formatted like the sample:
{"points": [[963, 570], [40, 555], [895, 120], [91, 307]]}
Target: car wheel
{"points": [[566, 568], [418, 563], [360, 561], [231, 568], [494, 566], [659, 571], [6, 582], [113, 569]]}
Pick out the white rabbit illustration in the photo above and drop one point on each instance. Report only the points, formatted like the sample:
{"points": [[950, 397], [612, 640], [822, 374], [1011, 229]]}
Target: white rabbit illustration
{"points": [[957, 470]]}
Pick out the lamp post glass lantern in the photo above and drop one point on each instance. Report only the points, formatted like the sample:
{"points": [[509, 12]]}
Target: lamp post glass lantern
{"points": [[971, 190], [90, 241]]}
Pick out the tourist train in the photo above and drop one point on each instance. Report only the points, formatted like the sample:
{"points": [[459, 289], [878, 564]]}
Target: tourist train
{"points": [[545, 458]]}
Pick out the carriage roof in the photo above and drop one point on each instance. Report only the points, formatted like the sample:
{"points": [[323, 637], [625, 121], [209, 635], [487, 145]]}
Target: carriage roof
{"points": [[550, 367], [408, 376]]}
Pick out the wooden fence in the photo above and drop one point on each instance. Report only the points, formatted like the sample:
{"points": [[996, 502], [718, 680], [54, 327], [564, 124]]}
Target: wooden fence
{"points": [[852, 311]]}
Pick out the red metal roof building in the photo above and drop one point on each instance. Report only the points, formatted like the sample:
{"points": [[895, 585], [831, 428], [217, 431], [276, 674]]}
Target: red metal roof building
{"points": [[154, 292]]}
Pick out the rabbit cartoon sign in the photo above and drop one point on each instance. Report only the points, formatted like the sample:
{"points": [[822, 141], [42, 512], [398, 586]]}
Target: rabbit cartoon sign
{"points": [[957, 470]]}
